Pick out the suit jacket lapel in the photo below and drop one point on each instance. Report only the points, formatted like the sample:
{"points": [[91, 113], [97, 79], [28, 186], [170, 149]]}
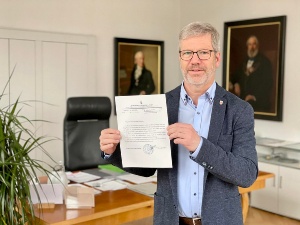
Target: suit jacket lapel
{"points": [[218, 115], [173, 98], [217, 119]]}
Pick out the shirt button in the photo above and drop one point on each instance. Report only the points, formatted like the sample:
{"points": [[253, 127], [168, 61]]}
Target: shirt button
{"points": [[198, 113], [195, 173], [195, 194]]}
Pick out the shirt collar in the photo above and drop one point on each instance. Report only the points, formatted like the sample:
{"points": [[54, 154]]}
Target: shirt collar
{"points": [[209, 94]]}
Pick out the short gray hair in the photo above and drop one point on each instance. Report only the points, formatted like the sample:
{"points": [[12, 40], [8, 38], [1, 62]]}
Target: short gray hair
{"points": [[198, 29]]}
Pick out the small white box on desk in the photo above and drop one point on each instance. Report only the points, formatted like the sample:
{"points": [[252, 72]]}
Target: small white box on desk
{"points": [[79, 197]]}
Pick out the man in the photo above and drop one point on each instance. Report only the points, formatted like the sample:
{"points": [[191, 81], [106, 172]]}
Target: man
{"points": [[141, 82], [212, 141], [253, 81]]}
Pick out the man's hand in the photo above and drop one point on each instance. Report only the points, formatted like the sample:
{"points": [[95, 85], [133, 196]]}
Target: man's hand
{"points": [[185, 135], [109, 139]]}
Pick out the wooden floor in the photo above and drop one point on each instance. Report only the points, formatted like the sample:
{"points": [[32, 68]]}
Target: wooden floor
{"points": [[255, 217], [260, 217]]}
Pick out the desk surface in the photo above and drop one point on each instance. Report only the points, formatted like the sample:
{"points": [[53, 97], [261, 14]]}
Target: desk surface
{"points": [[117, 207], [111, 207], [258, 184]]}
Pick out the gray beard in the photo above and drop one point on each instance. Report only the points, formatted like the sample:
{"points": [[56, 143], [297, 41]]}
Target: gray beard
{"points": [[252, 54]]}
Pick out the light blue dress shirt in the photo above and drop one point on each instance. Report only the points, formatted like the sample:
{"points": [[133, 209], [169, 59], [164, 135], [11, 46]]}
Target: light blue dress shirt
{"points": [[190, 173]]}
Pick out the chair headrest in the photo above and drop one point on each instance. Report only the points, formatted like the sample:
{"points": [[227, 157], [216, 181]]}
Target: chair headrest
{"points": [[88, 108]]}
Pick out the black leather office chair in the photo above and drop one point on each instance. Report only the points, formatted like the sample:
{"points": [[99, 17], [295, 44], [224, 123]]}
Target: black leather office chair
{"points": [[83, 122]]}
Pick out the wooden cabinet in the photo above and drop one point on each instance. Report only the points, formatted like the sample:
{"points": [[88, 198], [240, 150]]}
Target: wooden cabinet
{"points": [[282, 192], [289, 192]]}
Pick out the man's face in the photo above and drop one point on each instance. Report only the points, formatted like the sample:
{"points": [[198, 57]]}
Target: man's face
{"points": [[139, 59], [252, 47], [195, 71]]}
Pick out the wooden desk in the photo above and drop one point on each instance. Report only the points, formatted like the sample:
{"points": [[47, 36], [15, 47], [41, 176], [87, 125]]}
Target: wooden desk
{"points": [[117, 207], [258, 184], [111, 207]]}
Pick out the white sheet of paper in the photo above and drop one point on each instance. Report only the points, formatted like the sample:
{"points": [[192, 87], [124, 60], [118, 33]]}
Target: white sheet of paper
{"points": [[81, 177], [146, 188], [142, 121], [137, 179], [49, 193], [107, 184]]}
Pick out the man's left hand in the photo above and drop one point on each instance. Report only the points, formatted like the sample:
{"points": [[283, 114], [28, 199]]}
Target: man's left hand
{"points": [[185, 135]]}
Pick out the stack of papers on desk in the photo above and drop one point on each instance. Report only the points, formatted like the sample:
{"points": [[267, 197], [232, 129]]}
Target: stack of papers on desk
{"points": [[145, 189], [81, 177], [107, 184], [137, 179]]}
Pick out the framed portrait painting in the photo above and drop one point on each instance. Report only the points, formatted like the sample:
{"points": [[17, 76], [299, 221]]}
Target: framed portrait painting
{"points": [[254, 63], [138, 66]]}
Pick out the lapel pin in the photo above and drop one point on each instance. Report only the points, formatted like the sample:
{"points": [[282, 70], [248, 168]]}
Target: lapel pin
{"points": [[221, 102]]}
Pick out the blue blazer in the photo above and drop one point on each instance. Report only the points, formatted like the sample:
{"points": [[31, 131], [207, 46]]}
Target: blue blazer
{"points": [[228, 156]]}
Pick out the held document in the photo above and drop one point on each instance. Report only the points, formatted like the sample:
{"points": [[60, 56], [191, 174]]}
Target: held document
{"points": [[142, 121]]}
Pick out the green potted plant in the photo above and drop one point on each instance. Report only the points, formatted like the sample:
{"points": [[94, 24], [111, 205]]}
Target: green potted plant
{"points": [[17, 169]]}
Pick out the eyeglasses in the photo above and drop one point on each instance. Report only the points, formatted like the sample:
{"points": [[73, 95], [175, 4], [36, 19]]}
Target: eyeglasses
{"points": [[202, 54]]}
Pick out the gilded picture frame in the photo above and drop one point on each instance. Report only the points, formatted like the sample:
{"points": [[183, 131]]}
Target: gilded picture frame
{"points": [[125, 51], [253, 66]]}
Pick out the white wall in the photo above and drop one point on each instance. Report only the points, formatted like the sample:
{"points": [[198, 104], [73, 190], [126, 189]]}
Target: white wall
{"points": [[152, 20], [217, 12], [161, 20]]}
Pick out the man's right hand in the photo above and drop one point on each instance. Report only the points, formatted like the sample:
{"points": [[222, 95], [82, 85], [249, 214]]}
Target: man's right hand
{"points": [[109, 139]]}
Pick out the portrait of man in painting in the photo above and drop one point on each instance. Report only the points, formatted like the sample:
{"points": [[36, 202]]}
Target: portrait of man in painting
{"points": [[253, 78], [253, 66], [138, 69]]}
